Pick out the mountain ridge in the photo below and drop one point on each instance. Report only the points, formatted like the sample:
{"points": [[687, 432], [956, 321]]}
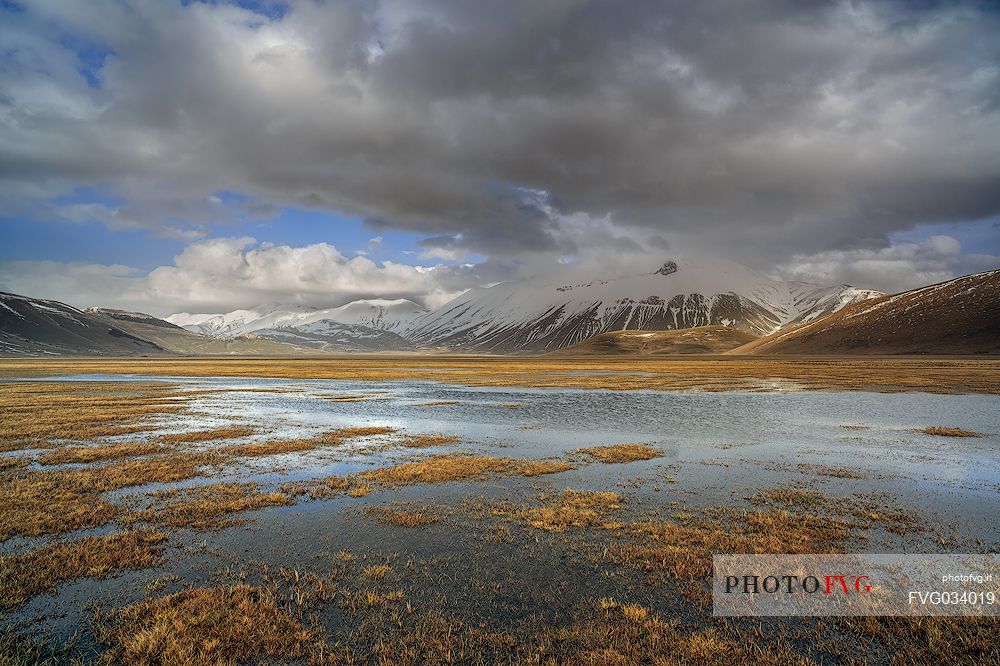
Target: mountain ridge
{"points": [[958, 316]]}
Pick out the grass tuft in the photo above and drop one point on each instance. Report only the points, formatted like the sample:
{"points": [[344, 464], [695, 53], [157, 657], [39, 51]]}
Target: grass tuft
{"points": [[402, 517], [572, 508], [220, 625]]}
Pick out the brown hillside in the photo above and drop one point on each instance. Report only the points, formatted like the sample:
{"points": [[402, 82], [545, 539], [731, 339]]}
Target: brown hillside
{"points": [[700, 340], [961, 316]]}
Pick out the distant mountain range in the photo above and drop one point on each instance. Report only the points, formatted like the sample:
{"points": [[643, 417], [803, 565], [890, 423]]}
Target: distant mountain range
{"points": [[383, 315], [713, 306], [360, 326]]}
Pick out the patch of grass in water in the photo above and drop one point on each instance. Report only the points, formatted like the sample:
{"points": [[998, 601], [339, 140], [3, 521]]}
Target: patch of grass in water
{"points": [[99, 453], [228, 432], [25, 575], [206, 507], [621, 453], [427, 441], [443, 468], [572, 508], [941, 431], [789, 496], [49, 502], [420, 517]]}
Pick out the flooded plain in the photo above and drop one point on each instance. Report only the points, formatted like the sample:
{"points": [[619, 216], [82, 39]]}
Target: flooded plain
{"points": [[448, 523]]}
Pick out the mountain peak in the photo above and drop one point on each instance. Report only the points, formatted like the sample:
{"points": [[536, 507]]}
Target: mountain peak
{"points": [[667, 268]]}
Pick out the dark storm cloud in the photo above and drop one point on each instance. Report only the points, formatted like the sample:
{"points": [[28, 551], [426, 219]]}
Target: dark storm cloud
{"points": [[759, 129]]}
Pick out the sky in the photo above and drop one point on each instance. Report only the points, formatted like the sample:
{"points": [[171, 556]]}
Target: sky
{"points": [[205, 156]]}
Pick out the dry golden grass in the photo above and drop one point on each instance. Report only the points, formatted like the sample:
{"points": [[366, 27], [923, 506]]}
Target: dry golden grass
{"points": [[622, 453], [101, 452], [626, 634], [941, 431], [896, 521], [220, 625], [439, 469], [790, 496], [25, 575], [427, 441], [33, 412], [49, 502], [330, 438], [439, 403], [572, 508], [835, 472], [376, 571], [448, 467], [331, 486], [276, 447], [402, 517], [360, 431], [11, 462], [541, 467], [360, 490], [683, 551], [41, 504], [206, 507], [930, 640], [727, 373], [630, 633], [228, 432], [159, 469]]}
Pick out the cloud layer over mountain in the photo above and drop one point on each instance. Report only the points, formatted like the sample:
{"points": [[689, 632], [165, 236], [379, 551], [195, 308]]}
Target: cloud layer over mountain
{"points": [[516, 130]]}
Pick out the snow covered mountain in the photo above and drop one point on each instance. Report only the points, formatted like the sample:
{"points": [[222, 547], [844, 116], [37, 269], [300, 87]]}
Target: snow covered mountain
{"points": [[378, 314], [529, 316], [328, 335]]}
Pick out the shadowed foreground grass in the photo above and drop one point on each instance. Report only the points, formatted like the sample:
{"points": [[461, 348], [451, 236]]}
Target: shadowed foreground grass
{"points": [[379, 611], [25, 575], [222, 625], [205, 507]]}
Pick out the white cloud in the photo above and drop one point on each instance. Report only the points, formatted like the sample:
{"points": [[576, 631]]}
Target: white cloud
{"points": [[227, 273], [898, 267]]}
